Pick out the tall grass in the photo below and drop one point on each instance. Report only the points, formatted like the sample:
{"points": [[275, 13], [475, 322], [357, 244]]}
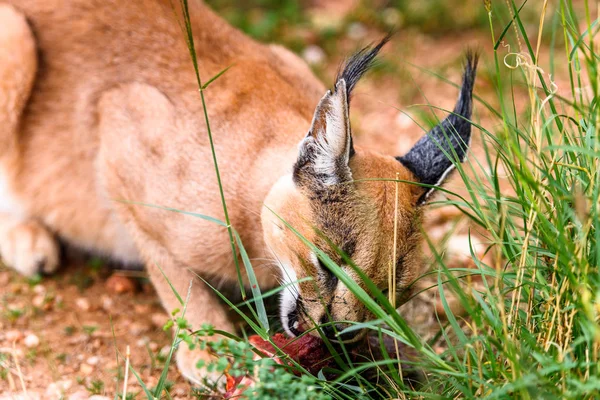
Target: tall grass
{"points": [[530, 328]]}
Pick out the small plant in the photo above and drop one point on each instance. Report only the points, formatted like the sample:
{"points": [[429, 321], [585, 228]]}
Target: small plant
{"points": [[69, 330], [89, 329], [61, 358], [96, 386], [4, 370], [81, 279], [267, 379], [12, 314]]}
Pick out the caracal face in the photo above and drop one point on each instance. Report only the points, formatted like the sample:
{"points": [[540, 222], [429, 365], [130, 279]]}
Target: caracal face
{"points": [[354, 204]]}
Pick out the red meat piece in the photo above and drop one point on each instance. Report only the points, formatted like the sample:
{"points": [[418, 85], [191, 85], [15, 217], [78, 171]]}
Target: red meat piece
{"points": [[308, 351]]}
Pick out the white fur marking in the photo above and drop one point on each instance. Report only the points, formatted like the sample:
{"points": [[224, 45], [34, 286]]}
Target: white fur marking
{"points": [[8, 202], [289, 295], [333, 143]]}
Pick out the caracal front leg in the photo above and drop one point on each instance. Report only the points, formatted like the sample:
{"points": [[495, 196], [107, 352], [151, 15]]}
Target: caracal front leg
{"points": [[25, 244], [139, 129], [203, 308]]}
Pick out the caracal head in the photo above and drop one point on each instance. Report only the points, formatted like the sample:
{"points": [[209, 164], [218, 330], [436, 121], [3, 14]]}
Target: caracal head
{"points": [[341, 199]]}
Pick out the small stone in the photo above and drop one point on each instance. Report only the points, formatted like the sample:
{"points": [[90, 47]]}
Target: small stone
{"points": [[83, 304], [80, 395], [142, 309], [313, 55], [16, 288], [137, 328], [86, 369], [38, 301], [454, 306], [356, 31], [151, 381], [164, 351], [39, 289], [120, 284], [392, 17], [107, 303], [57, 389], [98, 397], [94, 360], [153, 346], [31, 341], [159, 319], [13, 335]]}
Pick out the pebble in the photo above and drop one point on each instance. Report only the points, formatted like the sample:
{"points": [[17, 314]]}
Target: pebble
{"points": [[142, 309], [13, 335], [164, 351], [56, 390], [137, 328], [120, 284], [39, 289], [80, 395], [94, 360], [83, 304], [16, 288], [98, 397], [31, 341], [392, 17], [356, 31], [459, 247], [313, 55], [86, 369], [454, 305], [159, 319], [107, 303], [38, 301]]}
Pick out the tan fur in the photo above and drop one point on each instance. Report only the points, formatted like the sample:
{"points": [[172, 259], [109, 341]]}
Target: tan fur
{"points": [[373, 212], [115, 114]]}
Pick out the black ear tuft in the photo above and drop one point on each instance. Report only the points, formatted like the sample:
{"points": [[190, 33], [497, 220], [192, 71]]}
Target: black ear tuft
{"points": [[359, 63], [430, 158]]}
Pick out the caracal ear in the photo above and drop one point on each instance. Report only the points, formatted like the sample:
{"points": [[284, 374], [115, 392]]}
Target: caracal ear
{"points": [[324, 153], [435, 155]]}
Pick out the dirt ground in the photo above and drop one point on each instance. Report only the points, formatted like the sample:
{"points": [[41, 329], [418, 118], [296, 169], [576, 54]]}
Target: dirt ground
{"points": [[59, 336]]}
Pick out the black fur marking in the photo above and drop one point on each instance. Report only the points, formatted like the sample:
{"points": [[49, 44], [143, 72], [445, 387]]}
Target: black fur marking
{"points": [[359, 63], [353, 69], [428, 159]]}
